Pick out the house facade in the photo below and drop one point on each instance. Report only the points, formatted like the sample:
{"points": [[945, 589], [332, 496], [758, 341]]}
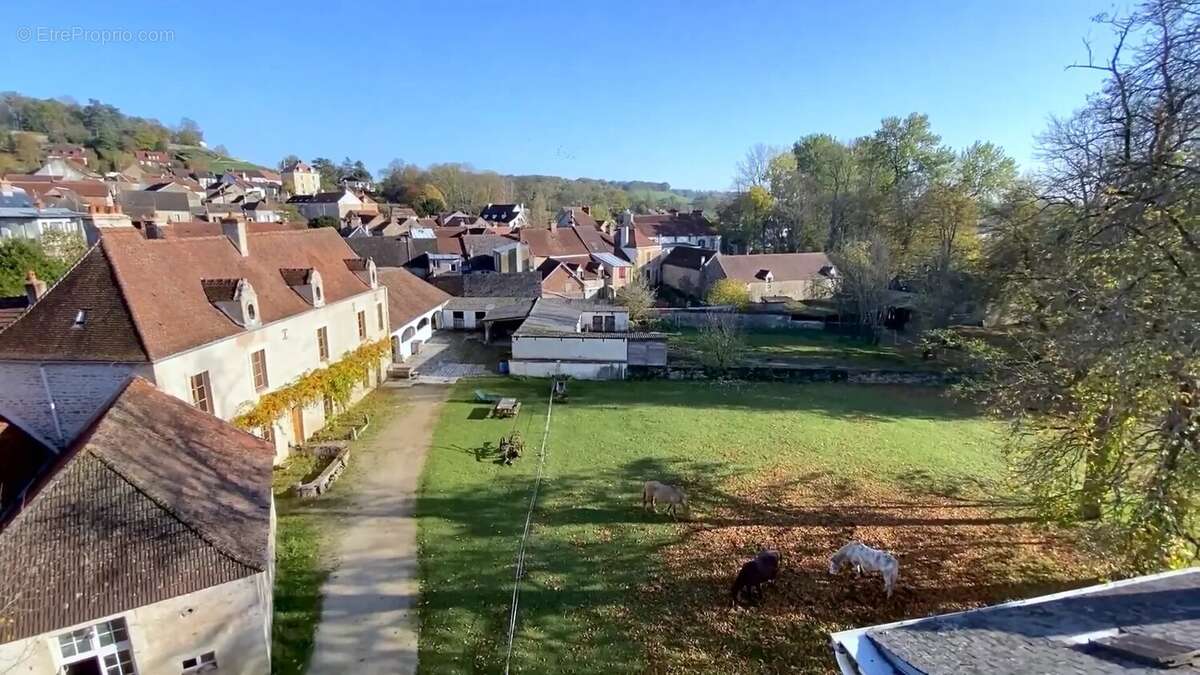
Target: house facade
{"points": [[152, 534], [216, 321], [414, 310], [583, 340], [791, 276], [301, 179], [332, 204]]}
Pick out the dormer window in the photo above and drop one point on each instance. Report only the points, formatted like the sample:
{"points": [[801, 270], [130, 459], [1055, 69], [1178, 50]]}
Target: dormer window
{"points": [[365, 269], [306, 281], [235, 298]]}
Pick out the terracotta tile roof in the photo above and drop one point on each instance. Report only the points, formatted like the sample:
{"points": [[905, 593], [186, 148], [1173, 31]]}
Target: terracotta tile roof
{"points": [[49, 330], [674, 225], [155, 500], [84, 188], [561, 242], [408, 295], [145, 299], [578, 216], [204, 228], [782, 266]]}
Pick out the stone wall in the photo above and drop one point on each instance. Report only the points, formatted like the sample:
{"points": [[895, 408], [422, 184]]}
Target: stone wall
{"points": [[800, 374]]}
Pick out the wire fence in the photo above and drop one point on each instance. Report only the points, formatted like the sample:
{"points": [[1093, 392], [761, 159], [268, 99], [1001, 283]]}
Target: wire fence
{"points": [[520, 571]]}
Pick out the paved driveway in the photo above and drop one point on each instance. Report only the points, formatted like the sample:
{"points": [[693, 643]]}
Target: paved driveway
{"points": [[369, 619]]}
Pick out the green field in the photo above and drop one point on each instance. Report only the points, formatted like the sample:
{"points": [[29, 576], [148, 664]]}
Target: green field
{"points": [[612, 589], [809, 347]]}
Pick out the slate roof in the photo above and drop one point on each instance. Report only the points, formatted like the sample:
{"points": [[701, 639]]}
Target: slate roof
{"points": [[155, 500], [392, 251], [494, 285], [689, 257], [1037, 635], [141, 205], [144, 298], [483, 244], [408, 295], [560, 242], [782, 266], [319, 198], [575, 215], [500, 213]]}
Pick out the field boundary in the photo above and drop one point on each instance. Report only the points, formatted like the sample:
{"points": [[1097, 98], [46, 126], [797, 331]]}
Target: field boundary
{"points": [[520, 567]]}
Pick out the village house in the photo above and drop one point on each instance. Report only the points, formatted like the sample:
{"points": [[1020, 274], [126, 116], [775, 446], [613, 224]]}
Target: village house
{"points": [[21, 217], [336, 204], [152, 158], [66, 169], [144, 545], [581, 339], [508, 215], [301, 179], [675, 228], [143, 206], [75, 153], [262, 211], [774, 276], [414, 310], [561, 279], [76, 195], [216, 321], [191, 189], [477, 294], [686, 270]]}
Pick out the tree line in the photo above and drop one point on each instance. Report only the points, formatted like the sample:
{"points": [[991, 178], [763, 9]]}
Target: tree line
{"points": [[108, 135]]}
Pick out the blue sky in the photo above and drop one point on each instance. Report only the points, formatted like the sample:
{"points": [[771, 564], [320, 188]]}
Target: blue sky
{"points": [[651, 90]]}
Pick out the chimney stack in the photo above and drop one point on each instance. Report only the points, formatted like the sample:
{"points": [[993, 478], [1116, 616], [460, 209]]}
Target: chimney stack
{"points": [[35, 288], [236, 231], [586, 209]]}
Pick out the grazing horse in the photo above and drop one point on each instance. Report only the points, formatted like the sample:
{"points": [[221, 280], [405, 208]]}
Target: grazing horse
{"points": [[654, 491], [754, 573], [860, 556]]}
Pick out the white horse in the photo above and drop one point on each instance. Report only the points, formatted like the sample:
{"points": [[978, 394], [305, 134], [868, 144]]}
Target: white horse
{"points": [[860, 556], [654, 491]]}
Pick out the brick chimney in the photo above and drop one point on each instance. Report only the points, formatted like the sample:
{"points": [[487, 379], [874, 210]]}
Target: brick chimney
{"points": [[236, 231], [586, 209], [35, 288]]}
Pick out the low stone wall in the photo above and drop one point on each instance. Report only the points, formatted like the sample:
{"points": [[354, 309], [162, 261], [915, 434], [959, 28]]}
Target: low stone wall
{"points": [[799, 374], [698, 318]]}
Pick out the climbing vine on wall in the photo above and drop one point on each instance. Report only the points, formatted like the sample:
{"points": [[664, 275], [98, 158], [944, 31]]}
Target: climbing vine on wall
{"points": [[335, 381]]}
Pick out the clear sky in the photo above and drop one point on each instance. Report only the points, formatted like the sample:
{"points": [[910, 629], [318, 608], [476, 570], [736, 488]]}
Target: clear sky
{"points": [[652, 90]]}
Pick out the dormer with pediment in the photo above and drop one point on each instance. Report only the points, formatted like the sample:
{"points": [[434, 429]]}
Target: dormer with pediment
{"points": [[306, 282], [236, 299]]}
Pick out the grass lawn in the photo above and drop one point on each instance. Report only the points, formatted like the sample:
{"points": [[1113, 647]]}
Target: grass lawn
{"points": [[810, 347], [803, 468], [302, 548]]}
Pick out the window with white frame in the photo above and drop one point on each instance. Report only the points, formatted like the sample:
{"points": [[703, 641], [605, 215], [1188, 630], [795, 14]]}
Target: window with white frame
{"points": [[101, 648], [205, 663]]}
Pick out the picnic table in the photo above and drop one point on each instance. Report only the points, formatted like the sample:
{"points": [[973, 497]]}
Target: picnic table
{"points": [[506, 407]]}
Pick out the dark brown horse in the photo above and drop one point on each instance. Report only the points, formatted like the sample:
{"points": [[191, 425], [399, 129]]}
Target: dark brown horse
{"points": [[754, 573]]}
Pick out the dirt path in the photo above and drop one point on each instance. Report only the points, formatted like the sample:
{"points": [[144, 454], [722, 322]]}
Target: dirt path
{"points": [[369, 618]]}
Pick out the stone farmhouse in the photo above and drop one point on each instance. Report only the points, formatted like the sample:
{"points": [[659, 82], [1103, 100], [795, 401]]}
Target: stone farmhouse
{"points": [[144, 545], [767, 277], [216, 321]]}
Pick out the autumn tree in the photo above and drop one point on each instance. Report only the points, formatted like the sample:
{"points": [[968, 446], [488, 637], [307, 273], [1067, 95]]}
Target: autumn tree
{"points": [[728, 292], [638, 298], [1100, 373]]}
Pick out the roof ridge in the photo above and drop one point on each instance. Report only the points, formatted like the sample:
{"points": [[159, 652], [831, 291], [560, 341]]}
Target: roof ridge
{"points": [[137, 326]]}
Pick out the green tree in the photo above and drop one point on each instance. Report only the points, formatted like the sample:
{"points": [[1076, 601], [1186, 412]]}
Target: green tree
{"points": [[1101, 372], [324, 221], [19, 256], [188, 133], [728, 292]]}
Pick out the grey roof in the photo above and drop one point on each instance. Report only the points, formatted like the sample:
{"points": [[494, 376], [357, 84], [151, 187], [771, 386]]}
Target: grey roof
{"points": [[25, 213], [391, 251], [500, 213], [689, 257], [484, 244], [141, 205], [554, 316], [1054, 634], [463, 304], [15, 198], [515, 285], [512, 312]]}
